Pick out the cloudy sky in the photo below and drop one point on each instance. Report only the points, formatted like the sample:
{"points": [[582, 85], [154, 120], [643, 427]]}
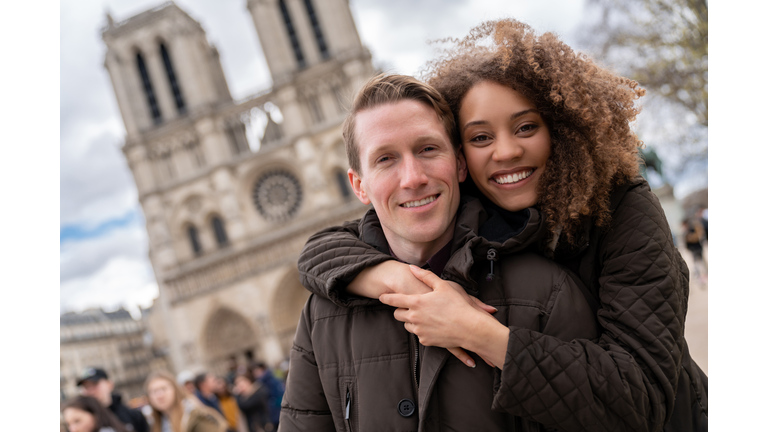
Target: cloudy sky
{"points": [[103, 244]]}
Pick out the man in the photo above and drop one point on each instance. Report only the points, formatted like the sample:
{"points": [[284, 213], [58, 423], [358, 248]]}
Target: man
{"points": [[276, 388], [94, 382], [205, 384], [353, 364]]}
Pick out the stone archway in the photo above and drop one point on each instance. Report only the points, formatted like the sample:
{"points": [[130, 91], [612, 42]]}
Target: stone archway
{"points": [[227, 334], [287, 304]]}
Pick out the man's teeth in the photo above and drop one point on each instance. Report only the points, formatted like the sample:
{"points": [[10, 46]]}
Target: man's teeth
{"points": [[513, 178], [420, 203]]}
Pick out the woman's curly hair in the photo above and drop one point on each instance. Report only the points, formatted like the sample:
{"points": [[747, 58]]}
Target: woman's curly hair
{"points": [[587, 108]]}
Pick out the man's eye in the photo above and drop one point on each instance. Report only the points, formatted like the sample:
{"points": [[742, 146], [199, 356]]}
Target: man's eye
{"points": [[383, 159]]}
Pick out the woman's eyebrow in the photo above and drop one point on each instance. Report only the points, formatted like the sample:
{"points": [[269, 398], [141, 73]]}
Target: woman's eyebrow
{"points": [[522, 113], [472, 123]]}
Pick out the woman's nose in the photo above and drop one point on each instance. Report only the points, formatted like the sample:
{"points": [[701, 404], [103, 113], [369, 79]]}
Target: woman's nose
{"points": [[507, 148]]}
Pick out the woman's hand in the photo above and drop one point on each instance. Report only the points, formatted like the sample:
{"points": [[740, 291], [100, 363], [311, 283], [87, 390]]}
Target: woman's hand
{"points": [[448, 318], [396, 277]]}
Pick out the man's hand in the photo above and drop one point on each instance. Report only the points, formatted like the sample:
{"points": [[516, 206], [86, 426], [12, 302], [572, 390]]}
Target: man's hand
{"points": [[448, 318], [396, 277]]}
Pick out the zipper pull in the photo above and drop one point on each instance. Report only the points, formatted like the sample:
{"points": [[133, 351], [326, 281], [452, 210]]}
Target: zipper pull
{"points": [[346, 416], [491, 258]]}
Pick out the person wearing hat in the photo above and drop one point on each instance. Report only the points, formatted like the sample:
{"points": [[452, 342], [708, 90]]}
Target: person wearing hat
{"points": [[186, 379], [94, 382]]}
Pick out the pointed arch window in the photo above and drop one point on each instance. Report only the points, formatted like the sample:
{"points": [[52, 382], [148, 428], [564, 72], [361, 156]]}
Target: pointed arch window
{"points": [[294, 38], [219, 231], [154, 108], [316, 29], [194, 240], [314, 109], [172, 80]]}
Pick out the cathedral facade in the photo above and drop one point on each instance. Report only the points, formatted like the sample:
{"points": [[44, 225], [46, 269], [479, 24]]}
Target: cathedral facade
{"points": [[228, 207]]}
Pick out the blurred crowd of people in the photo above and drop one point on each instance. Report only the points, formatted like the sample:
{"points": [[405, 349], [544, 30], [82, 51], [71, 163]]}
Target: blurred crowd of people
{"points": [[246, 399]]}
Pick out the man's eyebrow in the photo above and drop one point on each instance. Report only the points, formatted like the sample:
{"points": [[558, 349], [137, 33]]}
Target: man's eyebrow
{"points": [[512, 117]]}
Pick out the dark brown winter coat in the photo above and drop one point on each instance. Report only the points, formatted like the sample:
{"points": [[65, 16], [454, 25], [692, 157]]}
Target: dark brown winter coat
{"points": [[353, 364], [639, 375]]}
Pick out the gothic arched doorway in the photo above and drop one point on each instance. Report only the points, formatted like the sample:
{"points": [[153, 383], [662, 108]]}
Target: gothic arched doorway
{"points": [[228, 335], [287, 304]]}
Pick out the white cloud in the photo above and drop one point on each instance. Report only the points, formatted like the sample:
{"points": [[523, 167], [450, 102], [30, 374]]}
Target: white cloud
{"points": [[122, 280], [81, 258]]}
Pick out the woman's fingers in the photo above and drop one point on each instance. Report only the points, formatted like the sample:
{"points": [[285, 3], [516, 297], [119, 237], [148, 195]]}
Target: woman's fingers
{"points": [[456, 351], [398, 300], [462, 356], [478, 304], [426, 276], [487, 361]]}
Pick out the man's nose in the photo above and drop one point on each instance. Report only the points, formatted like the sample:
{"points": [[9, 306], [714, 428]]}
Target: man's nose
{"points": [[412, 174], [507, 148]]}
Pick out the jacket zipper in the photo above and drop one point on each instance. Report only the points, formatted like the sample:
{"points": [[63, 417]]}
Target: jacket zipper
{"points": [[346, 415], [415, 345], [491, 257]]}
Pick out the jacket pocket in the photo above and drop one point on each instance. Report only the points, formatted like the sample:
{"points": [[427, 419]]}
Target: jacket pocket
{"points": [[348, 398]]}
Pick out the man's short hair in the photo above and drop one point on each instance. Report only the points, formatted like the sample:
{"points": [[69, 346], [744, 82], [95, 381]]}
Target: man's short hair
{"points": [[199, 380], [390, 88]]}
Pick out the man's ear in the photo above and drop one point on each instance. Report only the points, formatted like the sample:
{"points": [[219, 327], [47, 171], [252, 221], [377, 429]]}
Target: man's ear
{"points": [[462, 165], [357, 186]]}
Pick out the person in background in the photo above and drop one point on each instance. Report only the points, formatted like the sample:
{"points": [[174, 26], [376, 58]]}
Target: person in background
{"points": [[232, 367], [205, 383], [252, 398], [694, 236], [173, 410], [87, 414], [276, 388], [229, 407], [94, 382], [186, 379]]}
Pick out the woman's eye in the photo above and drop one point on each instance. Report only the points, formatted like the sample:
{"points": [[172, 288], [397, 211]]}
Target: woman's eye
{"points": [[479, 138], [528, 127]]}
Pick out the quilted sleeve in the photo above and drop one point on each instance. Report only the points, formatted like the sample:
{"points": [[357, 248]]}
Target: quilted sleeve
{"points": [[627, 379], [304, 406], [332, 258]]}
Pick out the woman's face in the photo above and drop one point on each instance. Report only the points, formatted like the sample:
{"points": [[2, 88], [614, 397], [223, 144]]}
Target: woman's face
{"points": [[506, 144], [161, 394], [78, 420]]}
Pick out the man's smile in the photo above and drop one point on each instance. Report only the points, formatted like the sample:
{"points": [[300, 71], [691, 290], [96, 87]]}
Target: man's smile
{"points": [[419, 203]]}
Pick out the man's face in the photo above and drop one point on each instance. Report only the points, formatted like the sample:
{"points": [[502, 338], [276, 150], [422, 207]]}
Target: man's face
{"points": [[209, 384], [410, 173], [101, 390]]}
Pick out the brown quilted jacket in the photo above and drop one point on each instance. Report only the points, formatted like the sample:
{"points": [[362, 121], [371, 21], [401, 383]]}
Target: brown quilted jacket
{"points": [[638, 376], [353, 364]]}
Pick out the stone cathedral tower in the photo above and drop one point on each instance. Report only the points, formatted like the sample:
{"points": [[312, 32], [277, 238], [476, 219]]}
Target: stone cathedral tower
{"points": [[228, 207]]}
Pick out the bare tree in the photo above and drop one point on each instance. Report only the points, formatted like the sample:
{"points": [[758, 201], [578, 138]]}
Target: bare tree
{"points": [[662, 44]]}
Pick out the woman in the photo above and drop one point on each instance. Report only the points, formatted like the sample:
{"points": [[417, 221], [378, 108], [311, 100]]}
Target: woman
{"points": [[173, 410], [252, 399], [544, 127], [85, 414]]}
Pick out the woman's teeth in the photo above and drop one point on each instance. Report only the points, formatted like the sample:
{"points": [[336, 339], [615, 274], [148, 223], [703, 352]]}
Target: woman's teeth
{"points": [[420, 203], [513, 178]]}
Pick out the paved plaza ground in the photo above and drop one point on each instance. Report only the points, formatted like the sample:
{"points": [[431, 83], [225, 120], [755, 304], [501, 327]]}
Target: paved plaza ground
{"points": [[696, 323]]}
